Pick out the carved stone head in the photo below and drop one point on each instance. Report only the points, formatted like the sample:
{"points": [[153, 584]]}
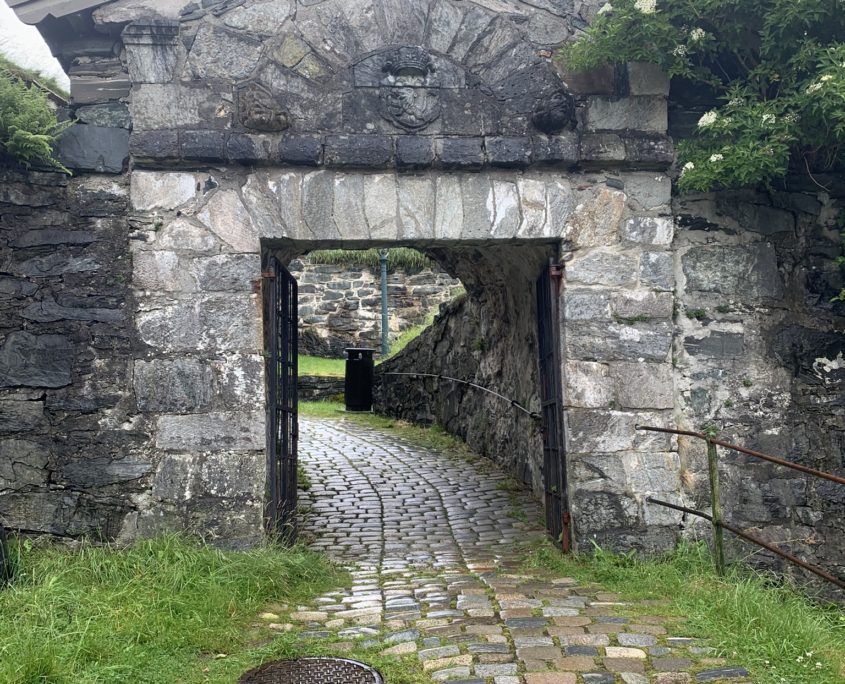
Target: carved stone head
{"points": [[555, 113], [260, 110]]}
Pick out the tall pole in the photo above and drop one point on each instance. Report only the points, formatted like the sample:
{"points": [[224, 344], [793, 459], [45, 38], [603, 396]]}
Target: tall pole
{"points": [[385, 341], [716, 502]]}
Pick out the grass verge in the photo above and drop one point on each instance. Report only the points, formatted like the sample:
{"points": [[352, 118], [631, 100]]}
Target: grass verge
{"points": [[434, 437], [316, 365], [775, 631], [163, 610]]}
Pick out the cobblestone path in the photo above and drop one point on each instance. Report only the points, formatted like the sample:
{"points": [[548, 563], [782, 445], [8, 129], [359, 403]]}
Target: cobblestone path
{"points": [[430, 540]]}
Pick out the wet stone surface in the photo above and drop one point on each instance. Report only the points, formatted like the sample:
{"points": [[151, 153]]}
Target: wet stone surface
{"points": [[432, 542]]}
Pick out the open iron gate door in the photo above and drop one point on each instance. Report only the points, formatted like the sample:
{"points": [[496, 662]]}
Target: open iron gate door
{"points": [[281, 316], [551, 397]]}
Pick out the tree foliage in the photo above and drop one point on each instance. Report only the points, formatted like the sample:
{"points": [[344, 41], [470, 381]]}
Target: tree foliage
{"points": [[778, 67], [28, 124]]}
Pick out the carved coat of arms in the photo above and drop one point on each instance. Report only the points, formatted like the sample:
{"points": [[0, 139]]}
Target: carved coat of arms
{"points": [[410, 93], [259, 109]]}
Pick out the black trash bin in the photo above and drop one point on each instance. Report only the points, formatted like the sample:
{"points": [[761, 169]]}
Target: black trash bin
{"points": [[358, 386]]}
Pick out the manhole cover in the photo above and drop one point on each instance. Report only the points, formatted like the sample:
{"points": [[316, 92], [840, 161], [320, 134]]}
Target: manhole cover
{"points": [[312, 671]]}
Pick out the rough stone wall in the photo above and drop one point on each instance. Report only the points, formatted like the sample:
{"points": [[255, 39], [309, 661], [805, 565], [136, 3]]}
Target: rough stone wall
{"points": [[487, 337], [759, 354], [72, 454], [340, 306]]}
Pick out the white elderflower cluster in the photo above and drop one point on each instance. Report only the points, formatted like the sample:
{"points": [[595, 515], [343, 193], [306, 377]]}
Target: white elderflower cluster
{"points": [[708, 119], [689, 166], [697, 34], [736, 102], [791, 118], [646, 6], [716, 157], [813, 87], [827, 77], [680, 50], [769, 119], [605, 8]]}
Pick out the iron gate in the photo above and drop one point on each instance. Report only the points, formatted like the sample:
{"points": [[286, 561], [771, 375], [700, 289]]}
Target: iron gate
{"points": [[280, 311], [554, 447]]}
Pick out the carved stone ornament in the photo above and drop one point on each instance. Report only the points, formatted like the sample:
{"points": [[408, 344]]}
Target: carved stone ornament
{"points": [[555, 113], [410, 92], [260, 110]]}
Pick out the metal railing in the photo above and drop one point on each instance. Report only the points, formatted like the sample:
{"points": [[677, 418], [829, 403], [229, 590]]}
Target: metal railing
{"points": [[512, 402], [715, 519]]}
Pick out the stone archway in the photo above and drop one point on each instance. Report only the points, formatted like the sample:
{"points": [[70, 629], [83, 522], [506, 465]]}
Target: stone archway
{"points": [[442, 124]]}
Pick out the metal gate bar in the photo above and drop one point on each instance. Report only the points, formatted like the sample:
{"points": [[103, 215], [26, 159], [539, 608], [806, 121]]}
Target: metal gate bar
{"points": [[551, 394], [281, 310]]}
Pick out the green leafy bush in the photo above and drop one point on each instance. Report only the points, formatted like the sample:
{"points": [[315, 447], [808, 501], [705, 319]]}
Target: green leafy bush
{"points": [[397, 258], [777, 65], [28, 124]]}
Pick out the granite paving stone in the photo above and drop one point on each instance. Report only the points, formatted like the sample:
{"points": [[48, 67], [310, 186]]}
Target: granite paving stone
{"points": [[437, 575]]}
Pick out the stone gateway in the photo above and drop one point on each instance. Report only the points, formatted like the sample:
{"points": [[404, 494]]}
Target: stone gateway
{"points": [[213, 136]]}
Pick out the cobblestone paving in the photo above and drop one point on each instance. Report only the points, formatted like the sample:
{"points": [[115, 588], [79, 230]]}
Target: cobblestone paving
{"points": [[430, 541]]}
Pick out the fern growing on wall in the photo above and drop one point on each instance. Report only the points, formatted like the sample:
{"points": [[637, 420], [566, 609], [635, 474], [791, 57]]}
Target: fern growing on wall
{"points": [[28, 123]]}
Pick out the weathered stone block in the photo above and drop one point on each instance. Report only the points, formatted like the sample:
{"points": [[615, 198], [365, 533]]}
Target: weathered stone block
{"points": [[717, 345], [90, 473], [414, 152], [641, 305], [306, 150], [157, 145], [643, 385], [49, 310], [630, 113], [172, 386], [657, 270], [747, 272], [586, 305], [606, 432], [29, 360], [603, 267], [645, 78], [649, 230], [460, 153], [220, 53], [203, 145], [509, 152], [590, 341], [649, 190], [557, 149], [588, 385], [108, 115], [153, 50], [235, 431], [598, 81], [182, 235], [649, 150], [228, 218], [161, 271], [238, 380], [598, 147], [94, 148], [161, 190], [247, 148], [21, 416], [227, 272], [23, 464], [359, 151], [174, 105]]}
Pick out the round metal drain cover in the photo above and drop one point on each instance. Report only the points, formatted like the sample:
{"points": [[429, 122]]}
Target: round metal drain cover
{"points": [[312, 671]]}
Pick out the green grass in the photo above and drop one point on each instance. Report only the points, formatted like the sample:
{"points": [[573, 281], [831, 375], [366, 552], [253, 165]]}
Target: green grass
{"points": [[316, 365], [403, 258], [164, 610], [768, 628], [434, 437]]}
